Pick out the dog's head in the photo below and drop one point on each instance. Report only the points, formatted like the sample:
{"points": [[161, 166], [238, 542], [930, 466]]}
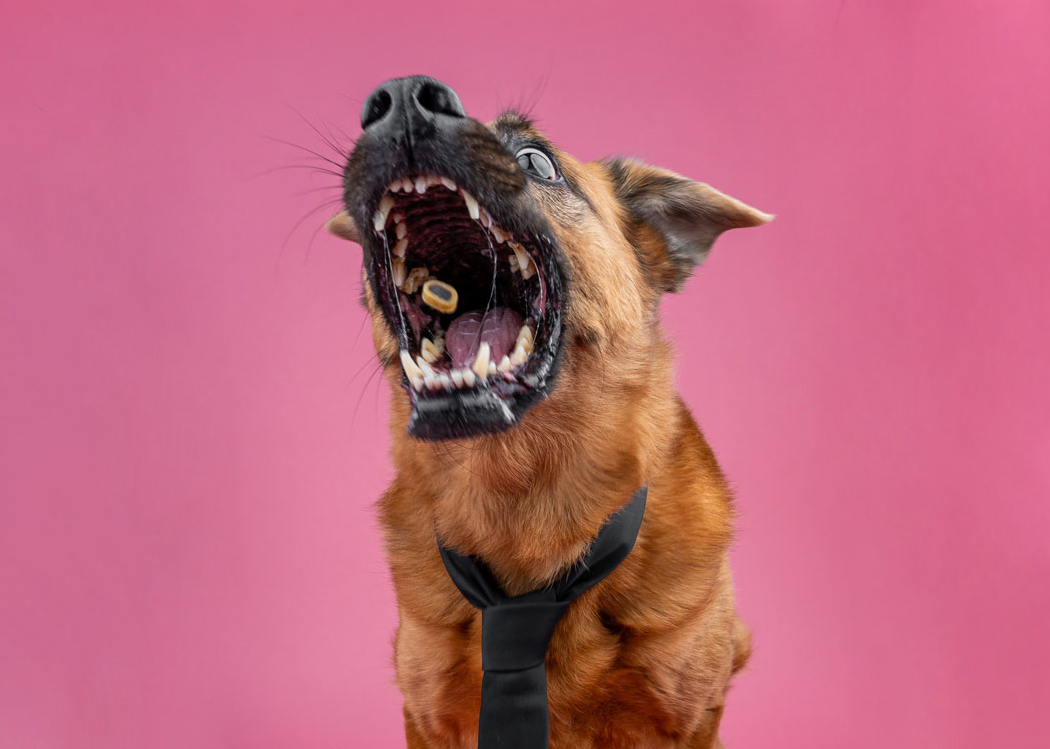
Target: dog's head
{"points": [[497, 266]]}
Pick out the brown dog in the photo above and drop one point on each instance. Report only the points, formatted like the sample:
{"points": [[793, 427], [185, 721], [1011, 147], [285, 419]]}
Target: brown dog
{"points": [[538, 397]]}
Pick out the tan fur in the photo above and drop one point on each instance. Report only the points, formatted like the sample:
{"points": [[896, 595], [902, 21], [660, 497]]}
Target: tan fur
{"points": [[643, 659]]}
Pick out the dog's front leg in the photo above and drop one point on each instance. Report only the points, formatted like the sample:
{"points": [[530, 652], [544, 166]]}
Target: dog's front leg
{"points": [[412, 738], [706, 735]]}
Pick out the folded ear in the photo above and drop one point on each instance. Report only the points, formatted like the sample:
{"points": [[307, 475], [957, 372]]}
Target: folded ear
{"points": [[341, 225], [672, 221]]}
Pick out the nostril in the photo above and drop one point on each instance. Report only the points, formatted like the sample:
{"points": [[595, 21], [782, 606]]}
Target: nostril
{"points": [[439, 99], [376, 108]]}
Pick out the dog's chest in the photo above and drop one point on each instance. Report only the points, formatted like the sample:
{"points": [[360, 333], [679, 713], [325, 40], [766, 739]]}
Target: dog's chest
{"points": [[597, 697]]}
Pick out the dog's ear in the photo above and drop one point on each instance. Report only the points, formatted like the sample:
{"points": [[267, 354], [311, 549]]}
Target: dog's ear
{"points": [[672, 221], [341, 225]]}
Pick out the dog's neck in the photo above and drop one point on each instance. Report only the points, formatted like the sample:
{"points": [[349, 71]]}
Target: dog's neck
{"points": [[528, 501]]}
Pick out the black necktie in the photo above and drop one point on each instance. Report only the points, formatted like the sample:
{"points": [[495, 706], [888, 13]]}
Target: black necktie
{"points": [[515, 631]]}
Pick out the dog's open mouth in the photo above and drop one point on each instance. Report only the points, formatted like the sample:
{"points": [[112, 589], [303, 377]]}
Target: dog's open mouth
{"points": [[475, 307]]}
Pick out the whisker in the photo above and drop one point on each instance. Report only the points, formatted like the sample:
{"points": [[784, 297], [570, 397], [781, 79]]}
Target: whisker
{"points": [[309, 167], [448, 453], [328, 204], [328, 125], [322, 188], [360, 329], [325, 139], [373, 359], [310, 151], [361, 395], [492, 291], [310, 243]]}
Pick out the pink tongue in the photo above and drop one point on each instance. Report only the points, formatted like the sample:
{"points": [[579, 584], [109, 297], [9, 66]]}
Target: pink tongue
{"points": [[499, 327]]}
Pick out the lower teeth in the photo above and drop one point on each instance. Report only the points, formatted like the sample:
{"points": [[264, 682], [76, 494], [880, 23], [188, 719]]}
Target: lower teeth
{"points": [[423, 372]]}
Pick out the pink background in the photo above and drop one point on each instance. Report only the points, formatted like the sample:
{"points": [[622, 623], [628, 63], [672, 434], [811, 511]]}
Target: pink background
{"points": [[191, 438]]}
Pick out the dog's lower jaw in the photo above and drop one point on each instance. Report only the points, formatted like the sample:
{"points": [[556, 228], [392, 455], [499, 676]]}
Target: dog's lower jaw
{"points": [[528, 500]]}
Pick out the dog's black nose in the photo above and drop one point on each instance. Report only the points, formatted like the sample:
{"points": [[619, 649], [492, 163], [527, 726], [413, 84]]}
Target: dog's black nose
{"points": [[414, 105]]}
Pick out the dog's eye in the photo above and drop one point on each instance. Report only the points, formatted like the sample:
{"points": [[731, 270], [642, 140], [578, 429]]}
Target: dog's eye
{"points": [[536, 162]]}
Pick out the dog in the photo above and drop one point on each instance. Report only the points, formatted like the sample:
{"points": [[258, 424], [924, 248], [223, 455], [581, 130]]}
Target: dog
{"points": [[513, 295]]}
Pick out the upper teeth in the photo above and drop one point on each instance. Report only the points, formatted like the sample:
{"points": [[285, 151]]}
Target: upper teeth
{"points": [[410, 284], [399, 272], [521, 261], [472, 204], [410, 281], [379, 221], [425, 370]]}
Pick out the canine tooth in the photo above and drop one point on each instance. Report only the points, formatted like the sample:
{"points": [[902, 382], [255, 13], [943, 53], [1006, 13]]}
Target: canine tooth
{"points": [[401, 229], [431, 350], [469, 378], [457, 377], [398, 267], [504, 364], [521, 255], [415, 374], [472, 204], [409, 365], [448, 183], [525, 338], [400, 247], [379, 221], [481, 361], [498, 233], [421, 185]]}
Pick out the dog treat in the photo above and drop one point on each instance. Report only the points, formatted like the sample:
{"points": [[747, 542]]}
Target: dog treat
{"points": [[440, 296]]}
